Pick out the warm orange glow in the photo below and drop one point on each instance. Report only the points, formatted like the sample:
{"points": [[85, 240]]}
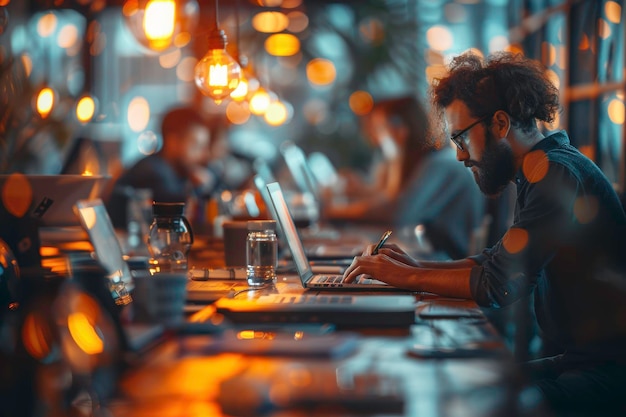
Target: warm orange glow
{"points": [[45, 101], [217, 74], [584, 43], [46, 25], [515, 48], [270, 3], [17, 195], [36, 336], [586, 209], [47, 251], [435, 71], [361, 102], [535, 166], [291, 4], [561, 57], [245, 334], [604, 29], [321, 71], [238, 113], [439, 38], [4, 2], [282, 44], [270, 22], [276, 114], [68, 36], [298, 21], [85, 109], [185, 68], [515, 240], [138, 114], [171, 59], [588, 150], [616, 111], [259, 102], [182, 39], [28, 64], [84, 333], [548, 53], [613, 11], [159, 22], [241, 92]]}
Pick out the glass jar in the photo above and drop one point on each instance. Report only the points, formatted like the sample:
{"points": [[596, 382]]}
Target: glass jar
{"points": [[170, 237], [261, 252]]}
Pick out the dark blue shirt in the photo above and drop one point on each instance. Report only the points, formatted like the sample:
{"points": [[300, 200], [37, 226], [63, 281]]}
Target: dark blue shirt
{"points": [[567, 244]]}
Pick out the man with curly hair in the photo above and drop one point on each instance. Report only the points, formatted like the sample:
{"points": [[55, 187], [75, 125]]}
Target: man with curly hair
{"points": [[566, 243]]}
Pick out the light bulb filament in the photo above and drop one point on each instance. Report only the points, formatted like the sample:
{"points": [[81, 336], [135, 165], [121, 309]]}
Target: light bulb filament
{"points": [[218, 75]]}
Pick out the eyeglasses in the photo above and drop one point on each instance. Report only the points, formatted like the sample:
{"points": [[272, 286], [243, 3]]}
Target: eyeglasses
{"points": [[459, 138]]}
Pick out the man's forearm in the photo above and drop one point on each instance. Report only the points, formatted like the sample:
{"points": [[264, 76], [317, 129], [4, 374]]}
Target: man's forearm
{"points": [[456, 264]]}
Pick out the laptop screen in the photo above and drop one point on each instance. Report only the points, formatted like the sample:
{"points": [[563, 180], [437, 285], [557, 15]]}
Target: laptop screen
{"points": [[261, 186], [95, 219], [284, 219]]}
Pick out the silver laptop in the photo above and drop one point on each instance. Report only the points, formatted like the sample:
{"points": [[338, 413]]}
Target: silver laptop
{"points": [[307, 276], [341, 310], [96, 221], [53, 196], [326, 244]]}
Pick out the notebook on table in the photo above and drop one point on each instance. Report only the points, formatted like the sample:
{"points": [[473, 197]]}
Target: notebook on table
{"points": [[308, 278]]}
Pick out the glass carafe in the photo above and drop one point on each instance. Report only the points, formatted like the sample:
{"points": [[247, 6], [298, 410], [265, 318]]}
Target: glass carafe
{"points": [[170, 237]]}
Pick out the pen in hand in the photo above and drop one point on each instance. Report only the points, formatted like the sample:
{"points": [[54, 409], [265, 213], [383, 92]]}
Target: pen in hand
{"points": [[381, 242]]}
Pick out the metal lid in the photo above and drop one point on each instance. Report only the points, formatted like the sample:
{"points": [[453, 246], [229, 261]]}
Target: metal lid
{"points": [[259, 225], [167, 209]]}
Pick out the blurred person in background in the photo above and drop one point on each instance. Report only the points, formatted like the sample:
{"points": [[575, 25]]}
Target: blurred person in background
{"points": [[418, 182], [181, 171]]}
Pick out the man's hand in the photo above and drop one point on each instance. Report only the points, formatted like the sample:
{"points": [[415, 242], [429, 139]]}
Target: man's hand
{"points": [[382, 267]]}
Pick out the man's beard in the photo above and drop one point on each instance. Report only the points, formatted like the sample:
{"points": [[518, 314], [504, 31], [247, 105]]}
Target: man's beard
{"points": [[496, 167]]}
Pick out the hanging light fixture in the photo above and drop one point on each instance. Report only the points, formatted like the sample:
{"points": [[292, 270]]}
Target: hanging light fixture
{"points": [[160, 24], [217, 73]]}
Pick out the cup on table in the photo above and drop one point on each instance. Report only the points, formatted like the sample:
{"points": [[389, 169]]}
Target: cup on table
{"points": [[159, 298], [235, 234]]}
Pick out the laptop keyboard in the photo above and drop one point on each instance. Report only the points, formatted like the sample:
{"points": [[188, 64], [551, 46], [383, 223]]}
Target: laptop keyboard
{"points": [[329, 279], [306, 299]]}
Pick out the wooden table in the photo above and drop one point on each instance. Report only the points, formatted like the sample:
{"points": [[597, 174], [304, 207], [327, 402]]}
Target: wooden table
{"points": [[463, 370]]}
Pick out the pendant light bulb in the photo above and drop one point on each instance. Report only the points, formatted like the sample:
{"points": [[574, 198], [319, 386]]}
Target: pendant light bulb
{"points": [[217, 74], [161, 25]]}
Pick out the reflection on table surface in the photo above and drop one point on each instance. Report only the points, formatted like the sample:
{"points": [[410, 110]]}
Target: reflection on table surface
{"points": [[450, 362]]}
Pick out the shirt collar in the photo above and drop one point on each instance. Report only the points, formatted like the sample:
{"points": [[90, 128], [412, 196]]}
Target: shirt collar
{"points": [[547, 144]]}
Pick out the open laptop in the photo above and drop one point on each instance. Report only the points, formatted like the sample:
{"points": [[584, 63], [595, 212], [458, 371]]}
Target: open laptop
{"points": [[53, 196], [108, 252], [327, 247], [307, 276], [95, 220]]}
